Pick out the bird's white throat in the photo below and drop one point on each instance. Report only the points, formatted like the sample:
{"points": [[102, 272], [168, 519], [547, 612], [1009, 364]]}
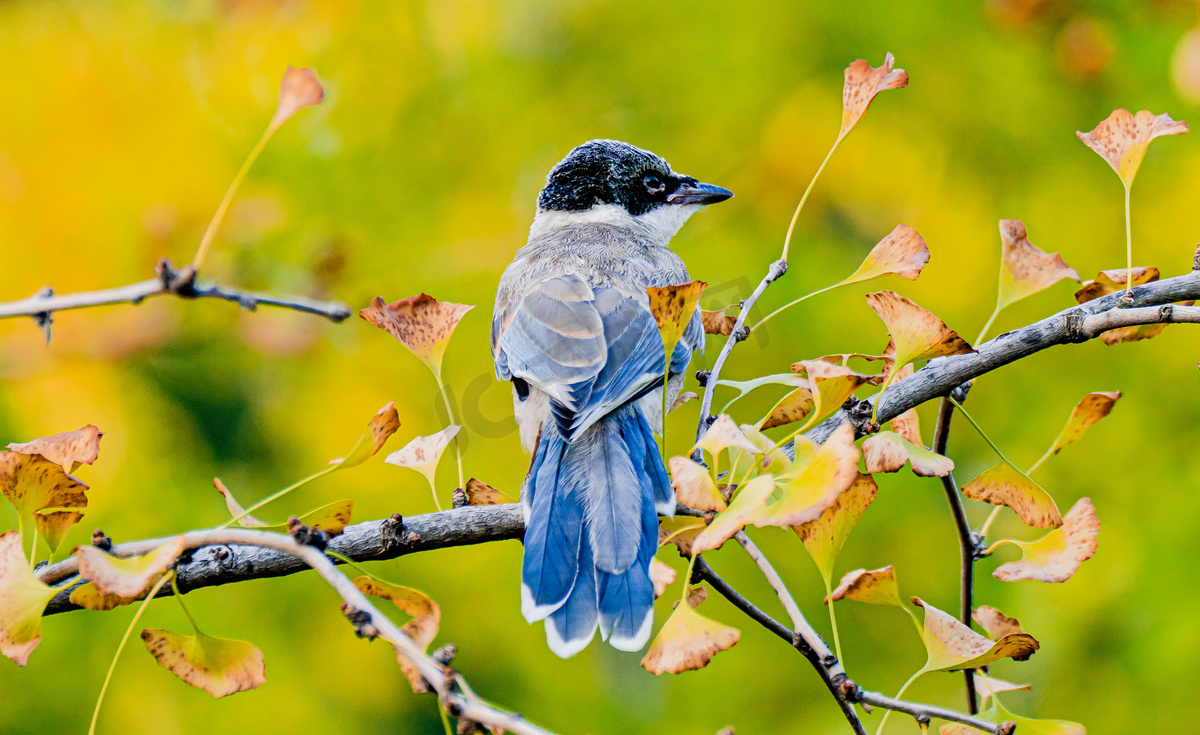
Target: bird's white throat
{"points": [[658, 225]]}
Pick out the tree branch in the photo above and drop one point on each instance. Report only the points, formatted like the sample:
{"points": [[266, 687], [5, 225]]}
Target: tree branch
{"points": [[926, 712]]}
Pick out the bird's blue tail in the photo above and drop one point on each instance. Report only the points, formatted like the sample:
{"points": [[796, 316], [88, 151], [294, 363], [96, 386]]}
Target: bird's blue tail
{"points": [[591, 529]]}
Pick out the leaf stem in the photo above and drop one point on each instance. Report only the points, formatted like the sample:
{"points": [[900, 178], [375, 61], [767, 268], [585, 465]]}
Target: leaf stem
{"points": [[687, 580], [179, 598], [979, 430], [1128, 245], [445, 719], [219, 215], [988, 325], [276, 496], [1038, 463], [787, 306], [983, 531], [462, 483], [899, 694], [837, 643], [787, 240], [169, 576]]}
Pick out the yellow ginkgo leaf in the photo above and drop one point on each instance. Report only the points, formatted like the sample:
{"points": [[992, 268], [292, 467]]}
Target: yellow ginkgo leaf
{"points": [[916, 334], [887, 451], [953, 646], [681, 531], [724, 434], [88, 597], [421, 323], [863, 82], [380, 428], [688, 641], [745, 507], [903, 253], [1088, 411], [1121, 139], [219, 666], [874, 587], [995, 623], [422, 629], [805, 493], [68, 449], [1004, 484], [774, 459], [1057, 555], [673, 308], [987, 687], [825, 536], [127, 576], [717, 322], [694, 486], [23, 597], [1024, 268], [331, 518], [1111, 281], [661, 576], [830, 385], [791, 408], [480, 493], [299, 89], [34, 484], [997, 715]]}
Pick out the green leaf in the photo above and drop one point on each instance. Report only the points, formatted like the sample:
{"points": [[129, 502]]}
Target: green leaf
{"points": [[953, 646]]}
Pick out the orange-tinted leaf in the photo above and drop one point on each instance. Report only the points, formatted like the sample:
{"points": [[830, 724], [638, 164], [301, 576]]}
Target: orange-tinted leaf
{"points": [[661, 576], [888, 452], [1004, 484], [903, 253], [916, 334], [23, 597], [68, 449], [953, 646], [746, 505], [299, 89], [687, 642], [874, 587], [1057, 555], [422, 324], [219, 666], [1121, 139], [694, 486], [1107, 282], [1091, 409], [1024, 268], [908, 424], [481, 493], [235, 508], [862, 84], [426, 617], [724, 434], [33, 484], [673, 307], [127, 576], [681, 531], [379, 429], [995, 623], [825, 536], [717, 322], [789, 409]]}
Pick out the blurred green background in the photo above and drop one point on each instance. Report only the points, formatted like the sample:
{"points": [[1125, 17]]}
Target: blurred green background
{"points": [[123, 123]]}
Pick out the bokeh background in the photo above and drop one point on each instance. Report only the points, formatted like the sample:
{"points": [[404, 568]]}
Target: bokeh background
{"points": [[123, 123]]}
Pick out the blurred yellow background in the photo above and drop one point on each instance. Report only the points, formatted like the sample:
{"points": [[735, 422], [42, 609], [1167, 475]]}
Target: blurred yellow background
{"points": [[124, 122]]}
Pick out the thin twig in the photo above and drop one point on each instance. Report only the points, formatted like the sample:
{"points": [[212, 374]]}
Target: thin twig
{"points": [[926, 712]]}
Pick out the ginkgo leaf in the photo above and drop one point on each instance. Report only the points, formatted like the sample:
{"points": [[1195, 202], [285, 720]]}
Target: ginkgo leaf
{"points": [[1121, 139], [688, 641], [908, 424], [745, 507], [422, 629], [1111, 281], [774, 459], [235, 508], [33, 484], [673, 308], [1024, 268], [916, 334], [694, 487], [806, 495], [68, 450], [127, 576], [791, 408], [987, 686], [380, 428], [830, 385], [331, 518], [88, 597], [1057, 555], [421, 323], [903, 253], [681, 531], [863, 82], [299, 89], [717, 322], [683, 398], [825, 536], [661, 576], [695, 596], [874, 587], [995, 623], [997, 715], [1088, 411], [481, 493], [724, 434], [23, 598], [953, 646], [887, 451], [1004, 484], [424, 452], [219, 666]]}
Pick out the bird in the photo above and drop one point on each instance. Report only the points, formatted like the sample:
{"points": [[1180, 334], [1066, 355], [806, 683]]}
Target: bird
{"points": [[573, 332]]}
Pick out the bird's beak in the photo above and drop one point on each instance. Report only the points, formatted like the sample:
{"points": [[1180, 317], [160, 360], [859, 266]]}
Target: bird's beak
{"points": [[698, 194]]}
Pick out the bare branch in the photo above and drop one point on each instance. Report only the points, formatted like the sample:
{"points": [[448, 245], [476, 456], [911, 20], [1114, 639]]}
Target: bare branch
{"points": [[926, 712]]}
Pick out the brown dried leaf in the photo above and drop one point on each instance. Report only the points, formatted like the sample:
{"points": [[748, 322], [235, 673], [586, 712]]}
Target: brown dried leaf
{"points": [[23, 598], [34, 484], [1121, 139], [426, 617], [68, 449], [683, 398], [1004, 484], [887, 451], [1057, 555], [379, 429], [717, 322], [1091, 409], [903, 253], [661, 576], [874, 587], [422, 324], [789, 409], [673, 307], [862, 84], [481, 493], [299, 89], [908, 424], [825, 536], [953, 646], [916, 334], [127, 576], [219, 666], [995, 623], [1024, 268], [687, 642], [694, 486]]}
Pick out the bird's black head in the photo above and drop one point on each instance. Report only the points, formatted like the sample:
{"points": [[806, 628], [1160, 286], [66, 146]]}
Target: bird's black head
{"points": [[612, 172]]}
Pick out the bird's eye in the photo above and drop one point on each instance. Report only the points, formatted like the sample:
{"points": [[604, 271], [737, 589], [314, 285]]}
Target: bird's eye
{"points": [[654, 184]]}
